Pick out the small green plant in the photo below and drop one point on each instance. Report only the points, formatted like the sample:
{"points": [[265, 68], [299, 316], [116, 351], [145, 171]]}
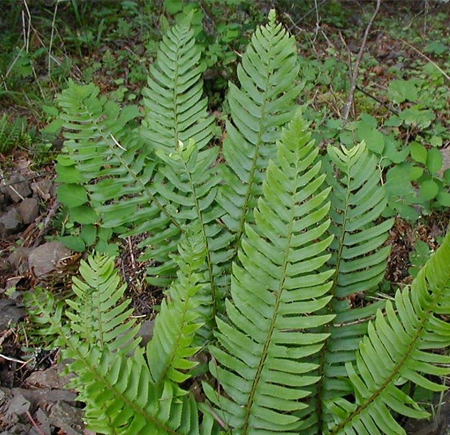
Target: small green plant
{"points": [[261, 248], [419, 257], [12, 134]]}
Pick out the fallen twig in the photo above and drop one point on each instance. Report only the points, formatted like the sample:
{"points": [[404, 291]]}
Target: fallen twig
{"points": [[351, 93], [46, 223]]}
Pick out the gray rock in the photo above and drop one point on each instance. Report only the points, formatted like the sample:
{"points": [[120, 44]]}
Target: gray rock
{"points": [[50, 378], [10, 222], [2, 199], [18, 188], [9, 312], [46, 258], [67, 417], [29, 210], [146, 331], [43, 189], [18, 259]]}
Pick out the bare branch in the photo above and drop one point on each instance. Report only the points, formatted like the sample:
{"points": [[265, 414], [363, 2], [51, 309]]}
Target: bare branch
{"points": [[351, 93]]}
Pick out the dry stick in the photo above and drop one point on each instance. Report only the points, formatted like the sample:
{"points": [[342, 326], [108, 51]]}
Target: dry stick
{"points": [[46, 223], [384, 104], [425, 57], [38, 429], [51, 39], [351, 94]]}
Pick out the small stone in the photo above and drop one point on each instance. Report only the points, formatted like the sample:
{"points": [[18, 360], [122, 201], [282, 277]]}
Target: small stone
{"points": [[146, 331], [19, 257], [10, 312], [50, 378], [45, 259], [67, 417], [29, 210], [10, 222], [17, 188], [42, 188]]}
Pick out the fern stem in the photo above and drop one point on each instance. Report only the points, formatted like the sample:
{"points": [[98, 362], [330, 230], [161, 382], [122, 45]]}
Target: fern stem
{"points": [[206, 243], [253, 168], [324, 350], [265, 350]]}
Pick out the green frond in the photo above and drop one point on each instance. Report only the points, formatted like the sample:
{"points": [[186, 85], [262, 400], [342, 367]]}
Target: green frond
{"points": [[180, 317], [117, 387], [190, 182], [263, 104], [104, 147], [176, 114], [396, 349], [176, 109], [261, 360], [358, 256], [98, 315]]}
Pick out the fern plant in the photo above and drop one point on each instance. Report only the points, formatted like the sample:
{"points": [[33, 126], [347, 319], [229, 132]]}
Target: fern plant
{"points": [[260, 257], [11, 133]]}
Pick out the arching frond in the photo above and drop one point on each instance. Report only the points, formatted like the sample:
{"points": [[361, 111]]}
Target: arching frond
{"points": [[261, 359], [176, 109], [171, 346], [115, 384], [398, 349], [263, 104], [359, 258], [98, 315]]}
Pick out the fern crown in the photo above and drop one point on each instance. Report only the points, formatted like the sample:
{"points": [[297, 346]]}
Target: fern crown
{"points": [[260, 247]]}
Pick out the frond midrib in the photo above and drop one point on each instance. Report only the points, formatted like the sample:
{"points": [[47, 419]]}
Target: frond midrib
{"points": [[265, 351], [258, 145], [209, 261], [332, 292]]}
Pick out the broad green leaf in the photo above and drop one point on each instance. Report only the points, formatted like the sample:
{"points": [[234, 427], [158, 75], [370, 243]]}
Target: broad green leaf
{"points": [[83, 214], [416, 173], [428, 189], [88, 233], [372, 137], [417, 116], [402, 90], [444, 199], [418, 152], [72, 195], [434, 160], [73, 242]]}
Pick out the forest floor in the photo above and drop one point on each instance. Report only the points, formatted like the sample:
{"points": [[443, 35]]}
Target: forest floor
{"points": [[33, 396]]}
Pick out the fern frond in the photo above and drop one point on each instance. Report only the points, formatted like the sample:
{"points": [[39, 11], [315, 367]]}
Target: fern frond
{"points": [[105, 148], [261, 359], [179, 318], [98, 316], [176, 113], [357, 201], [108, 149], [11, 133], [190, 180], [176, 109], [398, 349], [263, 104], [120, 395]]}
